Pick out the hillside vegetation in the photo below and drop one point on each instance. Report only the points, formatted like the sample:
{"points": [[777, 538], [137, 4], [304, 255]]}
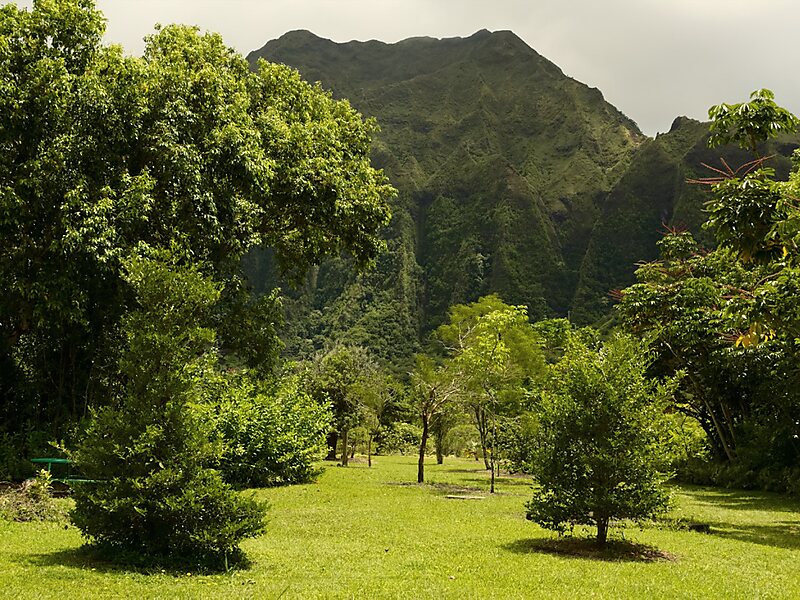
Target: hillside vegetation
{"points": [[513, 178]]}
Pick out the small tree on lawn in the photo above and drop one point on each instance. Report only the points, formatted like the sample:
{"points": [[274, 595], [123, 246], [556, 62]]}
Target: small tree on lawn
{"points": [[435, 386], [373, 390], [500, 355], [339, 377], [149, 449], [597, 445]]}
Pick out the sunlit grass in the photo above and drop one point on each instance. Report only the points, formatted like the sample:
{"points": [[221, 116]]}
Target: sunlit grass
{"points": [[372, 533]]}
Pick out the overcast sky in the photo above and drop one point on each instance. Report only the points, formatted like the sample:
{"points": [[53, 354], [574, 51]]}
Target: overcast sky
{"points": [[652, 59]]}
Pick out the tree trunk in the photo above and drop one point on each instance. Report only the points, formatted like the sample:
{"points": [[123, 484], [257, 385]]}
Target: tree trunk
{"points": [[729, 452], [333, 440], [345, 449], [440, 427], [369, 450], [729, 422], [480, 424], [422, 446], [491, 454], [602, 531]]}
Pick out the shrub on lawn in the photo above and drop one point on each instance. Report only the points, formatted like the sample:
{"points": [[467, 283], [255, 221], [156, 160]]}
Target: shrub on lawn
{"points": [[150, 451], [598, 441], [270, 437], [32, 501]]}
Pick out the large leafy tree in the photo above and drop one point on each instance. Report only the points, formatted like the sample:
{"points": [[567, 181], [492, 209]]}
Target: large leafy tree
{"points": [[676, 305], [183, 148], [729, 317]]}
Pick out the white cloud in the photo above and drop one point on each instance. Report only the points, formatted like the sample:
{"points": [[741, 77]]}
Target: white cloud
{"points": [[653, 59]]}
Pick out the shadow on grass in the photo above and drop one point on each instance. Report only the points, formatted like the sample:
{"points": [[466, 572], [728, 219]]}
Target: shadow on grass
{"points": [[444, 489], [503, 481], [613, 551], [477, 469], [742, 500], [101, 560], [441, 488], [784, 534]]}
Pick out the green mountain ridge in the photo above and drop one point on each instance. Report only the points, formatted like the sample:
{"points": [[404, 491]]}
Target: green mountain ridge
{"points": [[512, 178], [653, 195]]}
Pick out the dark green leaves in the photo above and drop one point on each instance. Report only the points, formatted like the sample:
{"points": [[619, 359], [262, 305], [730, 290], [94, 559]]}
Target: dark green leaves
{"points": [[597, 443], [748, 123]]}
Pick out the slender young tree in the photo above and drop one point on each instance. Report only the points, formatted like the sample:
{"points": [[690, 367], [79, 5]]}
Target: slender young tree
{"points": [[499, 354], [435, 386]]}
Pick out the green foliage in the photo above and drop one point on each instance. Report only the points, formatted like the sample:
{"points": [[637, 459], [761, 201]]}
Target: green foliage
{"points": [[742, 475], [728, 318], [347, 379], [17, 448], [440, 426], [33, 501], [499, 357], [463, 441], [658, 192], [740, 393], [683, 442], [597, 444], [516, 441], [149, 452], [340, 377], [743, 214], [749, 123], [247, 328], [185, 148], [400, 438], [271, 437], [747, 208]]}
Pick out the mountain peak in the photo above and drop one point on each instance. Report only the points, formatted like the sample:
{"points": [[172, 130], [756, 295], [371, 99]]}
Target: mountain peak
{"points": [[681, 122], [301, 34]]}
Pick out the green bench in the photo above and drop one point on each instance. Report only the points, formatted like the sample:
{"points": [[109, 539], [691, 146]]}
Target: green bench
{"points": [[67, 463]]}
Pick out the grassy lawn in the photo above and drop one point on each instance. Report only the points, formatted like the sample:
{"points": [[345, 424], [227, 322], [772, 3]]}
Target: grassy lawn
{"points": [[370, 533]]}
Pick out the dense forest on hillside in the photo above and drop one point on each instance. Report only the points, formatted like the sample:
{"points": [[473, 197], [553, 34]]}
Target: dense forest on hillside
{"points": [[512, 178]]}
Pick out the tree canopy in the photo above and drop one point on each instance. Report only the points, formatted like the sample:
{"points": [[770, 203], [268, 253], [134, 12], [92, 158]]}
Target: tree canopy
{"points": [[728, 317], [597, 444], [184, 148]]}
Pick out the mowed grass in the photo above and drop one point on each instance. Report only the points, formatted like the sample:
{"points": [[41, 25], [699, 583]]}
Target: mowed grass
{"points": [[372, 533]]}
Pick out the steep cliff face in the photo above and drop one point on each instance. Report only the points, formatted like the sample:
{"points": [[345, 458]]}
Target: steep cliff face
{"points": [[512, 177], [653, 195]]}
